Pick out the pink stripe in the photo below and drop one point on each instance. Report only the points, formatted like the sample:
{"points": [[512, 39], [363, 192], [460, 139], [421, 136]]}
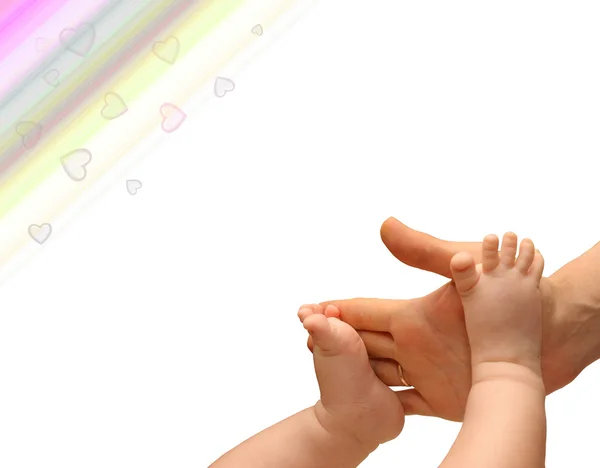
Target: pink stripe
{"points": [[25, 20], [83, 94], [15, 12], [24, 59], [7, 7]]}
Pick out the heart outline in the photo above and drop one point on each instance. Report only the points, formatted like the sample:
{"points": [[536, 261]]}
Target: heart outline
{"points": [[68, 159], [133, 185], [30, 137], [35, 230], [223, 86], [42, 44], [167, 50], [116, 101], [71, 39], [52, 80], [171, 112]]}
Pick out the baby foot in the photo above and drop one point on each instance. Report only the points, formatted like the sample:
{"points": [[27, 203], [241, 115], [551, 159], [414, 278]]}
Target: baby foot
{"points": [[353, 400], [502, 301]]}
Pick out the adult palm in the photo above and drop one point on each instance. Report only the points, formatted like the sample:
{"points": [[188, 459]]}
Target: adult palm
{"points": [[427, 335]]}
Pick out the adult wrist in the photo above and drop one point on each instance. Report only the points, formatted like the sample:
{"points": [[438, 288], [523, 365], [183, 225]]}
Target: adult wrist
{"points": [[573, 340]]}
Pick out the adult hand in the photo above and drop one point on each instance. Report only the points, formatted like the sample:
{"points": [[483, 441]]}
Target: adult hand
{"points": [[427, 335]]}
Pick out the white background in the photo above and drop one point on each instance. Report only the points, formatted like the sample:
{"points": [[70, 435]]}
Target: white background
{"points": [[161, 330]]}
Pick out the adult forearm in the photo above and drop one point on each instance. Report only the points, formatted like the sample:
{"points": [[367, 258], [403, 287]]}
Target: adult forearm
{"points": [[577, 314], [299, 441]]}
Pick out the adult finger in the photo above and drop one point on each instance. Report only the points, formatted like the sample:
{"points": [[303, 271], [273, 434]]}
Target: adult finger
{"points": [[381, 351], [422, 251], [379, 345], [414, 403], [368, 314], [387, 371]]}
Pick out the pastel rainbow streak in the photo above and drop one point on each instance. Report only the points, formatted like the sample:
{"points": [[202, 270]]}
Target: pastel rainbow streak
{"points": [[34, 188]]}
